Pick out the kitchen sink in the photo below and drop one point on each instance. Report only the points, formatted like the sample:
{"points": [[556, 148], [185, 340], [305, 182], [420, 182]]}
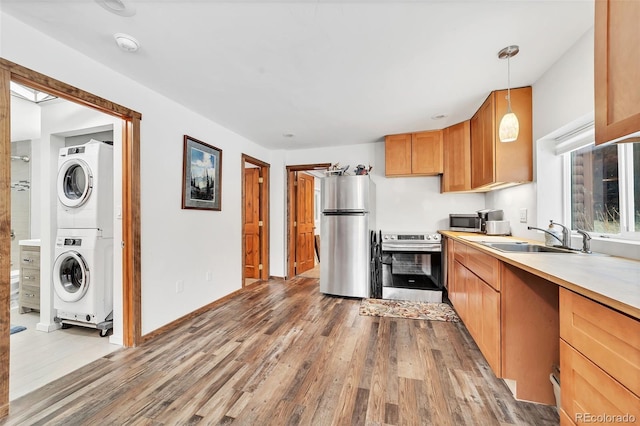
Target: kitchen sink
{"points": [[522, 247]]}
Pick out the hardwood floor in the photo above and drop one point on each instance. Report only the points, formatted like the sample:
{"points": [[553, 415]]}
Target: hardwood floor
{"points": [[282, 353]]}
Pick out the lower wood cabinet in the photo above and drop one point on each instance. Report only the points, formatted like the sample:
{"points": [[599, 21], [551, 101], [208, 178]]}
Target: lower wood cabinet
{"points": [[478, 305], [512, 316], [599, 361], [586, 390], [524, 325]]}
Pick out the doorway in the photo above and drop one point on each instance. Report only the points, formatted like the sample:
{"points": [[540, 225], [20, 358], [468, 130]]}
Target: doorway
{"points": [[255, 220], [131, 317], [301, 217]]}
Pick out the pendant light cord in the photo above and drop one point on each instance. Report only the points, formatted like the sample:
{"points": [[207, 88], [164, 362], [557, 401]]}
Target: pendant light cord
{"points": [[509, 83]]}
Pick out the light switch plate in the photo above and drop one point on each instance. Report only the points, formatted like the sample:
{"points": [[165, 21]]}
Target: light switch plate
{"points": [[523, 215]]}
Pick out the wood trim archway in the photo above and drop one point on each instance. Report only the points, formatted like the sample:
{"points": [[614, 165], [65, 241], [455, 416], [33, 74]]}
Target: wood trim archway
{"points": [[265, 169], [291, 235], [10, 71]]}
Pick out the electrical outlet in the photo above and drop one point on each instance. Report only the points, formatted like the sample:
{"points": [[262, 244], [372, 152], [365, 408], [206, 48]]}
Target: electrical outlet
{"points": [[179, 286], [209, 276], [523, 215]]}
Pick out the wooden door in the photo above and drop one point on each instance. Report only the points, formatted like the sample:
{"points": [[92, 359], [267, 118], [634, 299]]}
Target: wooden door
{"points": [[251, 222], [305, 224], [491, 327], [483, 145], [617, 69], [514, 160], [457, 158], [397, 155], [426, 153]]}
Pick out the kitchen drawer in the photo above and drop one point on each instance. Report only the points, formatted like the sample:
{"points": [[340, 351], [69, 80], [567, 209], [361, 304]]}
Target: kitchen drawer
{"points": [[30, 276], [484, 266], [30, 258], [608, 338], [586, 390], [459, 252], [30, 297]]}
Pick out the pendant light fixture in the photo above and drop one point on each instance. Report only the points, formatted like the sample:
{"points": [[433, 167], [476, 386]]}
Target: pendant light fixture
{"points": [[509, 126]]}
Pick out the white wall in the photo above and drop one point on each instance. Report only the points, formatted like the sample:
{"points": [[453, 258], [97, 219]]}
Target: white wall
{"points": [[176, 244], [563, 94], [402, 203], [25, 120], [25, 125]]}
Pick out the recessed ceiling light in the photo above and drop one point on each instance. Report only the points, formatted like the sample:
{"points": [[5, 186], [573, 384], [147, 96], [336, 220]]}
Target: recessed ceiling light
{"points": [[118, 7], [438, 116], [288, 135], [126, 42]]}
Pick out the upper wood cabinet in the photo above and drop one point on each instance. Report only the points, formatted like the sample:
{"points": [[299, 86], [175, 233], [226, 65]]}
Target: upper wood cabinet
{"points": [[414, 154], [495, 163], [456, 175], [617, 69]]}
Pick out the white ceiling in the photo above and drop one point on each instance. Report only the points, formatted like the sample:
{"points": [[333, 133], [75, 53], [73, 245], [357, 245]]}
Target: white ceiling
{"points": [[329, 72]]}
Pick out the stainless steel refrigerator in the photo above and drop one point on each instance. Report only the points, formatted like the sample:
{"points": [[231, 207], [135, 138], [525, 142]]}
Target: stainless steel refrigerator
{"points": [[348, 217]]}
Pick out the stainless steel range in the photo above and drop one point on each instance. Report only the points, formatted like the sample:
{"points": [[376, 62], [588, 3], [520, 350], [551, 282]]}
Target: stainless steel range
{"points": [[411, 266]]}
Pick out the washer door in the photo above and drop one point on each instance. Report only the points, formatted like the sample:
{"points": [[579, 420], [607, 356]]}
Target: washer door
{"points": [[75, 182], [70, 276]]}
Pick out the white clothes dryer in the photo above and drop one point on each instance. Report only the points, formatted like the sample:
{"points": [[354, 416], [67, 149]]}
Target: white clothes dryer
{"points": [[85, 187], [83, 276]]}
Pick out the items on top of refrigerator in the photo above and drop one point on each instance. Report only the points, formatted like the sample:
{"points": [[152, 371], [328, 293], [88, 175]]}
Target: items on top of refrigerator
{"points": [[337, 170]]}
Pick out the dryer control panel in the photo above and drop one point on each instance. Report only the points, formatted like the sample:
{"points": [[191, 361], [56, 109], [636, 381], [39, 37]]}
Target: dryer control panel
{"points": [[76, 242]]}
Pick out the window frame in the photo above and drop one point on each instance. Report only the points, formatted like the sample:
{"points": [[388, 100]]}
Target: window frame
{"points": [[625, 190]]}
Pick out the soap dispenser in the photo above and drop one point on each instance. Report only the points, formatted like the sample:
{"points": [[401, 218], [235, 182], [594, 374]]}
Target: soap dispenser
{"points": [[549, 240]]}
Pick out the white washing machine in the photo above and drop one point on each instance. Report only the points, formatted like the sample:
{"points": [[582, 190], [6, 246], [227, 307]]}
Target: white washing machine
{"points": [[85, 187], [83, 276]]}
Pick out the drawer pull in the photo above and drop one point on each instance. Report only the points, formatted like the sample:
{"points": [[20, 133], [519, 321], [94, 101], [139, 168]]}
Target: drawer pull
{"points": [[29, 277], [28, 260], [29, 295]]}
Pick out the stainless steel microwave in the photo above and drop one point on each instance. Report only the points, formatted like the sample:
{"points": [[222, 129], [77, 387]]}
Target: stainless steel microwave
{"points": [[465, 222]]}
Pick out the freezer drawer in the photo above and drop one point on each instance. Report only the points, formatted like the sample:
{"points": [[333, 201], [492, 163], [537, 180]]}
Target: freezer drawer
{"points": [[345, 254]]}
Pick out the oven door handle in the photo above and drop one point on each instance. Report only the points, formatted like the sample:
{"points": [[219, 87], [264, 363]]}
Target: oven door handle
{"points": [[411, 247]]}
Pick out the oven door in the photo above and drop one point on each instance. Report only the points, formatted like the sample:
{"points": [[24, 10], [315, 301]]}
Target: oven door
{"points": [[414, 276]]}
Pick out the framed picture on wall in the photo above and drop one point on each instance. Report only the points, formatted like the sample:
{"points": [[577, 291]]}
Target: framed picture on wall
{"points": [[201, 175]]}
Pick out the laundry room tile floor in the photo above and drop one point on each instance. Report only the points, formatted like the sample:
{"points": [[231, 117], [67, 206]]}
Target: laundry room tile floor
{"points": [[38, 358]]}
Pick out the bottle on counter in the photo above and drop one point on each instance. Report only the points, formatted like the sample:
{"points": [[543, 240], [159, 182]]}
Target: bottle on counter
{"points": [[549, 240]]}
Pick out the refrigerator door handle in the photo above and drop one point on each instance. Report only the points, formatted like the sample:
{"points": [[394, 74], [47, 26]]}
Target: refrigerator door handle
{"points": [[344, 213]]}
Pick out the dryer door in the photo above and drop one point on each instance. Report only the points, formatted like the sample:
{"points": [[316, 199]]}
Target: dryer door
{"points": [[70, 276], [75, 182]]}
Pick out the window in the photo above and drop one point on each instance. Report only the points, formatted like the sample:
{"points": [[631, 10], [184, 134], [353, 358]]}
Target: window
{"points": [[604, 188]]}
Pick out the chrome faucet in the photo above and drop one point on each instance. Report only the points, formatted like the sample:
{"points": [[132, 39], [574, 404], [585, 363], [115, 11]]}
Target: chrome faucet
{"points": [[550, 233], [566, 234], [585, 241]]}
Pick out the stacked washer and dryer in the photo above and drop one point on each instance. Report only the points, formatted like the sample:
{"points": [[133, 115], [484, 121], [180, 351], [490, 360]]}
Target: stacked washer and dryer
{"points": [[83, 266]]}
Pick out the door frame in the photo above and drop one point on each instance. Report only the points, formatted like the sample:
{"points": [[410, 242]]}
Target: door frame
{"points": [[291, 210], [263, 194], [131, 266]]}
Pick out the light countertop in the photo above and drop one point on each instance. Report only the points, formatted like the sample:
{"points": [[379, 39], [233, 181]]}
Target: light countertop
{"points": [[33, 242], [610, 280]]}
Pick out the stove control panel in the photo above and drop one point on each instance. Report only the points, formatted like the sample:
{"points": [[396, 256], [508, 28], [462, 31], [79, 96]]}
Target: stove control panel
{"points": [[410, 237]]}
